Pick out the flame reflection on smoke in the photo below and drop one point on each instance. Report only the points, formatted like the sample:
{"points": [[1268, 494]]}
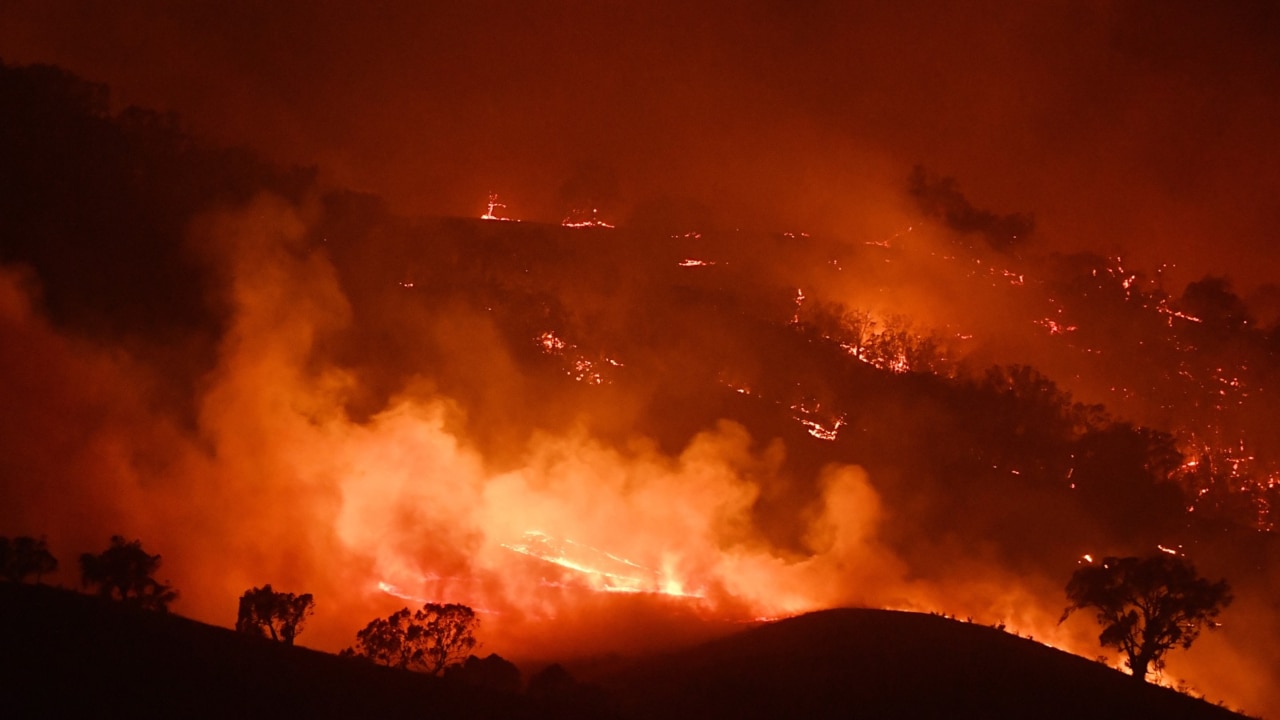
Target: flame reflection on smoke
{"points": [[554, 543]]}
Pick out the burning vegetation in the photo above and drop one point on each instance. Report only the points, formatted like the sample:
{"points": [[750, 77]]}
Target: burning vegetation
{"points": [[557, 427]]}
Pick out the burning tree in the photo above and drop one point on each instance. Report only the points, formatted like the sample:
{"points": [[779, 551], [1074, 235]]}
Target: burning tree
{"points": [[124, 571], [23, 557], [429, 639], [1147, 606], [278, 615]]}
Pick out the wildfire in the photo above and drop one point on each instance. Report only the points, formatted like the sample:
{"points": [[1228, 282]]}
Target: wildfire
{"points": [[551, 344], [812, 418], [491, 211], [585, 219], [397, 591], [1163, 307], [1055, 327], [579, 366], [820, 431], [598, 570]]}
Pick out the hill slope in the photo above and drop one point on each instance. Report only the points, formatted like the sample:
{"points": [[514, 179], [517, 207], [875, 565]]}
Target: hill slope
{"points": [[69, 655], [886, 664]]}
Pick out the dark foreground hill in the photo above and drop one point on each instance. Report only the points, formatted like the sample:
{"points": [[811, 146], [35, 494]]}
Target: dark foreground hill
{"points": [[68, 655], [885, 664]]}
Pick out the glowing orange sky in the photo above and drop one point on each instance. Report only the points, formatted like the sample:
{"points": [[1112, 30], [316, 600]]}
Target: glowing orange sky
{"points": [[1142, 127], [1146, 127]]}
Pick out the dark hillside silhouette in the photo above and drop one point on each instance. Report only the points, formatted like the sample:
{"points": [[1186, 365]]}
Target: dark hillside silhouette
{"points": [[70, 655], [99, 205], [885, 664]]}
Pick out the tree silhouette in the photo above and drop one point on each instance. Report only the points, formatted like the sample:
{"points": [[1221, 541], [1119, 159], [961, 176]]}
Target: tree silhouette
{"points": [[552, 681], [492, 673], [556, 693], [23, 557], [1147, 606], [124, 571], [429, 639], [278, 615]]}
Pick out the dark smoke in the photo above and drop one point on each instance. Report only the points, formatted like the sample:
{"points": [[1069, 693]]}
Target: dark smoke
{"points": [[940, 198]]}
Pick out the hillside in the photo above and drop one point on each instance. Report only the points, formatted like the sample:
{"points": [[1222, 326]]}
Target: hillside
{"points": [[70, 655], [595, 436], [887, 664]]}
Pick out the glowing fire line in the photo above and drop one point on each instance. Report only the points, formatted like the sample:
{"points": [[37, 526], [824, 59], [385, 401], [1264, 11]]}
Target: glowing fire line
{"points": [[544, 547]]}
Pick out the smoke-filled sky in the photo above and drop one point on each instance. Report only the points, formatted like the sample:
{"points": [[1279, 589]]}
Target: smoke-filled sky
{"points": [[299, 389], [1143, 128]]}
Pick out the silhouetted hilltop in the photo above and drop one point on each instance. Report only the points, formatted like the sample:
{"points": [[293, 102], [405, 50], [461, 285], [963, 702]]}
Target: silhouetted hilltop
{"points": [[137, 258], [71, 655], [887, 664]]}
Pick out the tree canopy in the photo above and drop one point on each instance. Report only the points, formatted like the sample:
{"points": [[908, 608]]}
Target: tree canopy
{"points": [[24, 556], [278, 615], [493, 672], [429, 639], [125, 571], [1147, 606]]}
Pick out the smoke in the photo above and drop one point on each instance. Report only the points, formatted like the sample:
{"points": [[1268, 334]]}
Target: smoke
{"points": [[278, 484], [570, 532], [1136, 127], [379, 421]]}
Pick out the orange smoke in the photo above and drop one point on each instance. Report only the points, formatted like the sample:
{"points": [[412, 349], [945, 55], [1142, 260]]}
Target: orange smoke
{"points": [[577, 545]]}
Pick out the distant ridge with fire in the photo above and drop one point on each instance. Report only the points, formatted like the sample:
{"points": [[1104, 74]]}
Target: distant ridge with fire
{"points": [[610, 440]]}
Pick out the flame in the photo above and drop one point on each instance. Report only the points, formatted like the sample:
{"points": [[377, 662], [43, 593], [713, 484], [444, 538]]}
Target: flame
{"points": [[585, 219], [1055, 327], [406, 505], [578, 365], [603, 571], [491, 210]]}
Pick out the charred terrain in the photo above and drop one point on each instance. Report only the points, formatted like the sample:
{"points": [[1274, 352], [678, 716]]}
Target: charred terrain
{"points": [[607, 439]]}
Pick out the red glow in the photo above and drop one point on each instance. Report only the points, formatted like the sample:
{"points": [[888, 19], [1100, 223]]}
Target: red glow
{"points": [[585, 219], [491, 210]]}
